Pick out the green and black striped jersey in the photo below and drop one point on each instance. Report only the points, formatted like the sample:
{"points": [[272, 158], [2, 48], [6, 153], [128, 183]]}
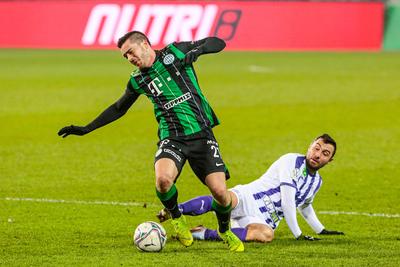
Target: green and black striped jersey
{"points": [[180, 107]]}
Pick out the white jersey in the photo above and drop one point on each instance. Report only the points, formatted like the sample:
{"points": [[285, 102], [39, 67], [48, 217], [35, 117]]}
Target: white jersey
{"points": [[262, 197]]}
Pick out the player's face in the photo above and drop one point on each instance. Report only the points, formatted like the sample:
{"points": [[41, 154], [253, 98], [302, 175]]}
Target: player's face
{"points": [[319, 154], [138, 53]]}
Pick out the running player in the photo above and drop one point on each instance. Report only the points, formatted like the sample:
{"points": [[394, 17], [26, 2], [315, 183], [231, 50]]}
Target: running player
{"points": [[185, 119], [291, 182]]}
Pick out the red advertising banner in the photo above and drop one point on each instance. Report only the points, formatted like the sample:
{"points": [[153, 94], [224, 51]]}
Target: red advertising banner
{"points": [[244, 25]]}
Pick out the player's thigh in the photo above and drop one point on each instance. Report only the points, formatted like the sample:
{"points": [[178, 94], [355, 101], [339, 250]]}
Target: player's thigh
{"points": [[205, 159], [259, 232], [165, 168], [169, 160], [243, 206]]}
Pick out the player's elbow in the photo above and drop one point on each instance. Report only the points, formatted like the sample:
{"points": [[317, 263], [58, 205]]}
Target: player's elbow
{"points": [[217, 43], [120, 109], [221, 44]]}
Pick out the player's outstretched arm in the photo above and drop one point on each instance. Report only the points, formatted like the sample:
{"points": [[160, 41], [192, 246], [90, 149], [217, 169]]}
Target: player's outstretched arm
{"points": [[113, 112], [197, 48], [289, 208], [308, 213]]}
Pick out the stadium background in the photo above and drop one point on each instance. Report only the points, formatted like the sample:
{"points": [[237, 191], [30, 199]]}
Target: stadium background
{"points": [[292, 70]]}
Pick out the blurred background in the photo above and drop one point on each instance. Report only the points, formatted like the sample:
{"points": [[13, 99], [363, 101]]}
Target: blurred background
{"points": [[245, 25]]}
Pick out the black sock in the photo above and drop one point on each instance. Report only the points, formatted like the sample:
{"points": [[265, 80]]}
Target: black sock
{"points": [[170, 201], [223, 215]]}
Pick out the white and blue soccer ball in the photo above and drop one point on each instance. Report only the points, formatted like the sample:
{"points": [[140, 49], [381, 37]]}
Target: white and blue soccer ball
{"points": [[150, 237]]}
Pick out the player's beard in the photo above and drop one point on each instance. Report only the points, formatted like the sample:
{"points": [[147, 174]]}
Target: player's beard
{"points": [[310, 168]]}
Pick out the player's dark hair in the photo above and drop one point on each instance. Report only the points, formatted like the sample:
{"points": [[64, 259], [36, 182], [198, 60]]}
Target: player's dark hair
{"points": [[327, 139], [133, 36]]}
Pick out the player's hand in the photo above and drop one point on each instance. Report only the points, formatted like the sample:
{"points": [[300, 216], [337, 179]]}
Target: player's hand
{"points": [[191, 56], [308, 238], [330, 232], [76, 130]]}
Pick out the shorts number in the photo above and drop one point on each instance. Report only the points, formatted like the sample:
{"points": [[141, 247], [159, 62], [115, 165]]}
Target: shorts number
{"points": [[216, 151]]}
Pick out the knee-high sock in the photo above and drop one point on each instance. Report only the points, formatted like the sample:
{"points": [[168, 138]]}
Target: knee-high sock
{"points": [[196, 206], [170, 201], [213, 234], [223, 215]]}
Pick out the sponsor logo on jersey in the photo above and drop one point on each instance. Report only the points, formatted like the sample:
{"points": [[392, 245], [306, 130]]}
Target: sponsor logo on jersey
{"points": [[168, 59], [305, 172], [154, 87], [177, 101]]}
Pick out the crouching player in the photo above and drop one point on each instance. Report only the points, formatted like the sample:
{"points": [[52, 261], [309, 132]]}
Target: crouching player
{"points": [[291, 182]]}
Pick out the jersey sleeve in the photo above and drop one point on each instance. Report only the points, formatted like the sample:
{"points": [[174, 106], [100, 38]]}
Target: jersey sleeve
{"points": [[288, 188], [205, 46], [286, 171], [311, 218], [186, 46], [127, 99], [133, 88], [289, 209], [115, 111]]}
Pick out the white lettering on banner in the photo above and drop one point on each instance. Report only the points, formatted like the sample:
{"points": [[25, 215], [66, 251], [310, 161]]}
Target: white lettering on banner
{"points": [[186, 19], [209, 14], [110, 13], [160, 14], [108, 22], [124, 21]]}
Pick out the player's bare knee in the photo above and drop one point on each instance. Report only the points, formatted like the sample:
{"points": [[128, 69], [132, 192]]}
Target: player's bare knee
{"points": [[259, 233], [164, 183], [267, 236]]}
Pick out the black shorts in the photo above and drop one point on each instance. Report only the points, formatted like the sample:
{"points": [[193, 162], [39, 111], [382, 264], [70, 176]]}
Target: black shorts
{"points": [[203, 155]]}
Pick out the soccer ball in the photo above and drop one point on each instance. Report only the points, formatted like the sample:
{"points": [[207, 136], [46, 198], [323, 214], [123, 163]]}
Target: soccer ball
{"points": [[150, 237]]}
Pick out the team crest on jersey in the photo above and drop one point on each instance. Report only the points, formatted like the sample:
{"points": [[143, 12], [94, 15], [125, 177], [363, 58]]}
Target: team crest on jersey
{"points": [[304, 172], [168, 59]]}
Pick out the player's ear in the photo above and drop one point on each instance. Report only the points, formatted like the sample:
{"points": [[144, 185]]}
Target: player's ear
{"points": [[146, 45]]}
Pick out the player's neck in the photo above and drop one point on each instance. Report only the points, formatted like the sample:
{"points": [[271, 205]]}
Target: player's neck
{"points": [[153, 56], [310, 170]]}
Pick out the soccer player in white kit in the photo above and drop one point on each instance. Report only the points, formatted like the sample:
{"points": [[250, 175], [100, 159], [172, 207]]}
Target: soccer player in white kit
{"points": [[291, 182]]}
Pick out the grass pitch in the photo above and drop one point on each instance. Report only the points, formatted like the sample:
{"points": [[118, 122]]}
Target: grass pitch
{"points": [[269, 104]]}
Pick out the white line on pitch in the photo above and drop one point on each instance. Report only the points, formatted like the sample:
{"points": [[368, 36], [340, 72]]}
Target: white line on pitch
{"points": [[360, 214], [260, 69], [139, 204], [83, 202]]}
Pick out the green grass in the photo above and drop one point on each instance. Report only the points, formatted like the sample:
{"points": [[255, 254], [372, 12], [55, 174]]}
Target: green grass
{"points": [[269, 104]]}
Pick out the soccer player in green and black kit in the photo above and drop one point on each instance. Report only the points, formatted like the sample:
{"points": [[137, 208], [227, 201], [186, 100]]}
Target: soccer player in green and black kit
{"points": [[185, 119]]}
